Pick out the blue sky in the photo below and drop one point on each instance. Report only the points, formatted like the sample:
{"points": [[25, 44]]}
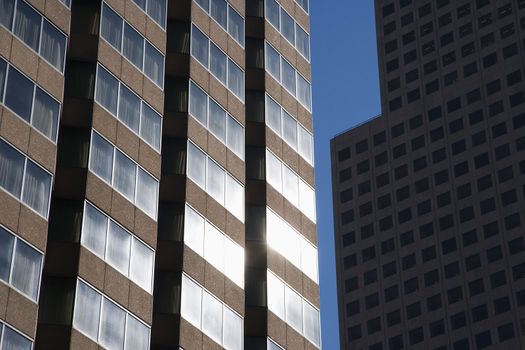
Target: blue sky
{"points": [[345, 92]]}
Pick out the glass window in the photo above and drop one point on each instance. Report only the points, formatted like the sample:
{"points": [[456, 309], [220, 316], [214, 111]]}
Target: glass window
{"points": [[19, 94], [235, 198], [273, 115], [129, 109], [232, 330], [194, 231], [273, 62], [157, 11], [290, 186], [214, 247], [290, 129], [53, 46], [26, 269], [205, 4], [274, 171], [27, 25], [304, 92], [217, 121], [107, 90], [218, 10], [154, 65], [12, 340], [11, 169], [191, 302], [137, 334], [212, 317], [235, 137], [307, 200], [133, 46], [7, 242], [111, 27], [276, 296], [141, 268], [198, 105], [309, 260], [302, 42], [150, 126], [235, 79], [199, 46], [6, 14], [234, 262], [118, 248], [288, 78], [112, 325], [94, 230], [272, 13], [215, 181], [287, 26], [147, 193], [303, 4], [272, 346], [141, 4], [218, 63], [235, 25], [311, 323], [124, 176], [196, 165], [294, 315], [3, 71], [101, 157], [45, 114], [37, 188], [87, 310], [305, 144]]}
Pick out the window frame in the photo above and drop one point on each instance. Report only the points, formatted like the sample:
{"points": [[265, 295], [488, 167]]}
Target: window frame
{"points": [[161, 25], [229, 8], [4, 325]]}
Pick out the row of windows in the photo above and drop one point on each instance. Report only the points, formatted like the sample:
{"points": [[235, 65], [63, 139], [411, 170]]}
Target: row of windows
{"points": [[290, 185], [216, 181], [155, 9], [289, 129], [132, 45], [214, 246], [124, 175], [24, 179], [35, 31], [220, 123], [288, 28], [217, 62], [132, 111], [291, 244], [118, 247], [106, 323], [20, 264], [214, 318], [12, 339], [292, 308], [226, 16], [28, 101], [426, 9], [288, 76]]}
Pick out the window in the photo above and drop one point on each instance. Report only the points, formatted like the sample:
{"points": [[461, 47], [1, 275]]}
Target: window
{"points": [[105, 322], [12, 339], [128, 108], [24, 179], [156, 9], [20, 264], [140, 189], [144, 56], [389, 269], [29, 101], [293, 308]]}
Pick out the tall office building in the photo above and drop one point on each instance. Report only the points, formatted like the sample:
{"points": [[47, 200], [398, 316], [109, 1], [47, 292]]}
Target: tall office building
{"points": [[428, 197], [135, 211]]}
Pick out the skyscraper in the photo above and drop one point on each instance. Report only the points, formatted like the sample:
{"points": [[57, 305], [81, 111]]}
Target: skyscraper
{"points": [[137, 209], [428, 197]]}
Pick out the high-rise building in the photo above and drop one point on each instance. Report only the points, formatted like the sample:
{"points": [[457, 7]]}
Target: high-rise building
{"points": [[428, 197], [137, 210]]}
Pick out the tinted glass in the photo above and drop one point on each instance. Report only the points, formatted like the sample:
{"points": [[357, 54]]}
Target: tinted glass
{"points": [[27, 25], [19, 94]]}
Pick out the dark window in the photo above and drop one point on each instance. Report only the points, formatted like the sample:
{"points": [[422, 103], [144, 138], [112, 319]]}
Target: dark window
{"points": [[501, 305], [451, 78], [432, 87], [409, 37], [363, 167], [391, 46], [431, 278], [364, 187], [344, 154], [389, 269], [420, 163], [415, 122], [516, 246], [458, 320], [424, 207], [345, 174], [385, 223], [422, 185], [400, 172], [434, 302], [389, 27], [481, 160], [476, 287], [494, 254], [370, 277], [480, 313], [437, 134], [382, 180], [510, 50], [446, 39], [505, 174], [465, 30], [416, 336], [499, 130], [379, 138], [399, 151], [456, 126], [369, 253], [449, 58], [441, 177], [373, 325], [389, 9], [463, 10], [487, 40], [502, 151], [381, 159], [496, 108], [409, 261], [407, 19], [418, 142], [350, 261], [396, 343], [346, 195], [454, 295], [473, 262], [464, 191], [518, 271], [512, 221], [428, 253], [353, 308], [484, 183], [439, 155], [425, 10], [506, 332], [470, 69], [413, 95], [398, 130], [411, 285], [490, 60], [483, 340], [466, 214], [413, 310], [437, 328], [470, 238], [351, 284], [445, 19], [498, 279], [453, 105], [426, 28], [468, 49], [410, 56], [475, 117], [412, 75], [347, 217], [388, 246], [448, 246], [403, 193], [451, 270], [384, 201], [493, 87], [354, 333], [426, 230], [431, 66], [518, 121], [348, 239], [434, 113], [372, 300], [361, 146], [514, 78], [406, 238], [517, 99], [365, 209], [461, 169], [393, 318], [507, 30], [462, 344], [443, 199]]}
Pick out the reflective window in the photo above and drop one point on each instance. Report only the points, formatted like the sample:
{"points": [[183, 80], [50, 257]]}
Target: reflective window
{"points": [[272, 10], [210, 315], [156, 9], [311, 323], [53, 45], [107, 90], [271, 345], [124, 175], [219, 11], [107, 323], [131, 44], [302, 42], [27, 25], [303, 4], [199, 46], [11, 339], [20, 264], [218, 63], [16, 171], [226, 16], [273, 62], [19, 94], [118, 247], [216, 181], [287, 26], [236, 79]]}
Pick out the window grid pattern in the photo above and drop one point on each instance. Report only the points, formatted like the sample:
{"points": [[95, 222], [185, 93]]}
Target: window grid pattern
{"points": [[11, 338], [155, 9], [226, 17]]}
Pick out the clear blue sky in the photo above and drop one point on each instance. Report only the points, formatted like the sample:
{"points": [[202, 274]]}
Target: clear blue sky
{"points": [[345, 92]]}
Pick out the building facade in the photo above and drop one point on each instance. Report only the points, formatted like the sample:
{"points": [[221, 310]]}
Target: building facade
{"points": [[137, 213], [428, 197]]}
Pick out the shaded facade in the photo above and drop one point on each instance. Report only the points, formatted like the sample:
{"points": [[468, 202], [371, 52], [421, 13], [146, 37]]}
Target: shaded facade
{"points": [[126, 192], [428, 197]]}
